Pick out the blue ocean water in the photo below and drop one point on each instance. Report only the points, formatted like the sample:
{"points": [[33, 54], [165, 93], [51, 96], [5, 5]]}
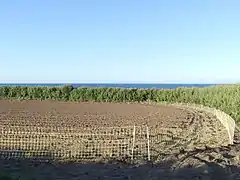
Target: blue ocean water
{"points": [[138, 86]]}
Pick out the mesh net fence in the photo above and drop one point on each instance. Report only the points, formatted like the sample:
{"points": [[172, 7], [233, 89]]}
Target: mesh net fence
{"points": [[74, 143]]}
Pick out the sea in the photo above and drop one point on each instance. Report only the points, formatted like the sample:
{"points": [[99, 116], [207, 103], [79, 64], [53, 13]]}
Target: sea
{"points": [[138, 86]]}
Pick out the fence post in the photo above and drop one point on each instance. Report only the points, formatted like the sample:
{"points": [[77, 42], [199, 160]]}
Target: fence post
{"points": [[133, 143], [148, 143]]}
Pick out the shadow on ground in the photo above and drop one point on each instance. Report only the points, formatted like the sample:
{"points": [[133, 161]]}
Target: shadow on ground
{"points": [[205, 164]]}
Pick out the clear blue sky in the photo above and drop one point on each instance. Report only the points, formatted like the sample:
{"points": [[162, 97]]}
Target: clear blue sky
{"points": [[120, 41]]}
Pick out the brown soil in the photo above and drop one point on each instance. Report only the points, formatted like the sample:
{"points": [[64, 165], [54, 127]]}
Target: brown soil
{"points": [[90, 114], [187, 128]]}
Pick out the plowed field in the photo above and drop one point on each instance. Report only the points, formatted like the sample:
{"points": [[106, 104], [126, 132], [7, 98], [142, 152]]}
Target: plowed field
{"points": [[90, 114], [187, 127], [171, 129]]}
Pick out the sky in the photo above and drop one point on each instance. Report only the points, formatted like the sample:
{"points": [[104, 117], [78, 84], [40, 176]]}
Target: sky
{"points": [[120, 41]]}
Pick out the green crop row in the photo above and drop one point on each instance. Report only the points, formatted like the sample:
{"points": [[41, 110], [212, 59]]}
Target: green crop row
{"points": [[224, 97]]}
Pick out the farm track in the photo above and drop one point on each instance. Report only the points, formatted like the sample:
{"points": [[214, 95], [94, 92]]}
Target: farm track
{"points": [[178, 136], [202, 129]]}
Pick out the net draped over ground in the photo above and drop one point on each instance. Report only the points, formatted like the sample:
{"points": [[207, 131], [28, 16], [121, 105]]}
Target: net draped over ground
{"points": [[67, 130]]}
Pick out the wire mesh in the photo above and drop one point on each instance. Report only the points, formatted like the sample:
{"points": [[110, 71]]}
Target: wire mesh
{"points": [[73, 143]]}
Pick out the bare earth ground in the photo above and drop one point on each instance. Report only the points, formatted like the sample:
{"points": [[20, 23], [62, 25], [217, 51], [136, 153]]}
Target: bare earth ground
{"points": [[90, 114], [187, 128]]}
